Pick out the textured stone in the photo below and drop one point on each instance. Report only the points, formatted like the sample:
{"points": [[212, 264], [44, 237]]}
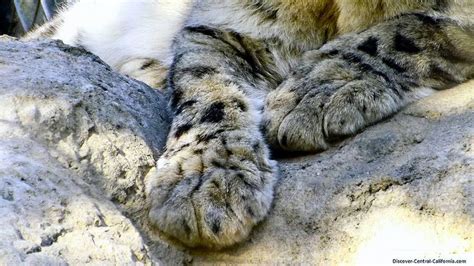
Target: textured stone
{"points": [[75, 138]]}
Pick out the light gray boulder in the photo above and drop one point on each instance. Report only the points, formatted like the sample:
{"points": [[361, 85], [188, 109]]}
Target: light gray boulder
{"points": [[75, 138]]}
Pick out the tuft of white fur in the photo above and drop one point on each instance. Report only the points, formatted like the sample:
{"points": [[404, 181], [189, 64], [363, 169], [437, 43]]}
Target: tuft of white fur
{"points": [[120, 31]]}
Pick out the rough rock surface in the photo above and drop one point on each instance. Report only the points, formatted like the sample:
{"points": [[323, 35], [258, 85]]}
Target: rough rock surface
{"points": [[77, 140]]}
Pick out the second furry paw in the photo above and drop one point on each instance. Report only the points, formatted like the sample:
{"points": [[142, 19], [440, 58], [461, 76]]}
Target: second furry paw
{"points": [[332, 100]]}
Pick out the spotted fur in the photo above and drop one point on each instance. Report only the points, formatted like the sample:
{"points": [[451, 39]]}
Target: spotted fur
{"points": [[306, 72]]}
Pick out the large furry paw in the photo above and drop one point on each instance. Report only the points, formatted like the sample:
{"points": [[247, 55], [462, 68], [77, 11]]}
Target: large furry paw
{"points": [[210, 191], [328, 101]]}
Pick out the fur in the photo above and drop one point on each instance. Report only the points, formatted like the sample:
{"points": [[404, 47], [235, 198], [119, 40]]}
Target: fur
{"points": [[126, 34], [244, 73]]}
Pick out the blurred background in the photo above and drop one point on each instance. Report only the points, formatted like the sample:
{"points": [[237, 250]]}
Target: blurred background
{"points": [[19, 16]]}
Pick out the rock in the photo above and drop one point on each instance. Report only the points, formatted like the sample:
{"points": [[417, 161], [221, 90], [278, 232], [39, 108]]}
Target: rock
{"points": [[77, 140]]}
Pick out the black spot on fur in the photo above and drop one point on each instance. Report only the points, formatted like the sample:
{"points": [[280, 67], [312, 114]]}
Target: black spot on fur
{"points": [[214, 114], [216, 184], [375, 96], [408, 85], [204, 30], [250, 211], [256, 147], [241, 48], [412, 84], [449, 52], [352, 58], [370, 46], [228, 152], [205, 137], [369, 69], [442, 75], [364, 108], [215, 226], [182, 130], [284, 140], [426, 19], [247, 54], [186, 227], [208, 137], [184, 146], [263, 10], [198, 185], [263, 128], [147, 64], [440, 5], [364, 66], [404, 87], [394, 65], [185, 105], [176, 93], [404, 44], [241, 176], [333, 52], [198, 71], [381, 74], [231, 83], [240, 104], [217, 164], [176, 96], [350, 99], [395, 90], [357, 61]]}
